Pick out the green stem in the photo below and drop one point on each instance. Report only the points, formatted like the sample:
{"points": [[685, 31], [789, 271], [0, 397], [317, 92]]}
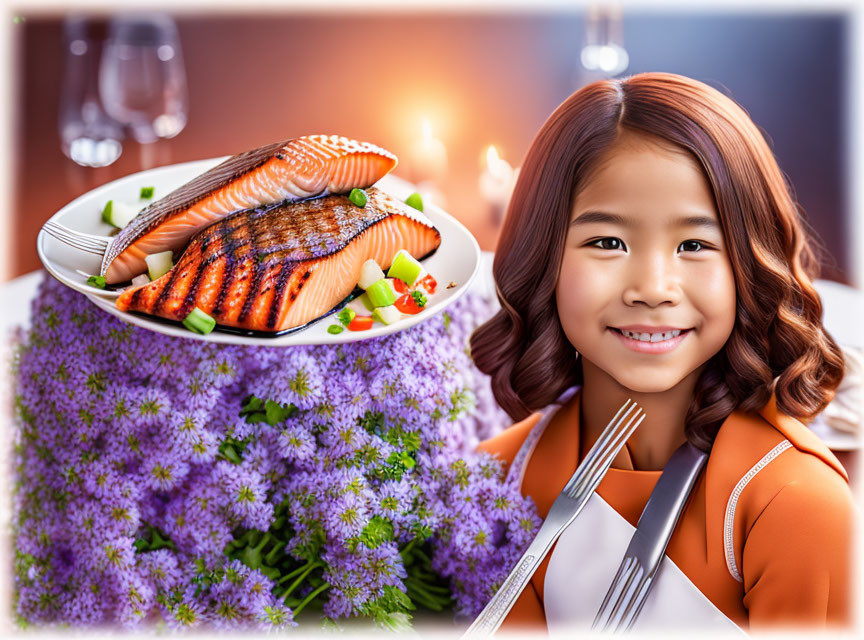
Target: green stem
{"points": [[310, 598], [420, 598], [419, 587], [408, 547], [271, 556], [264, 540], [300, 579], [296, 571]]}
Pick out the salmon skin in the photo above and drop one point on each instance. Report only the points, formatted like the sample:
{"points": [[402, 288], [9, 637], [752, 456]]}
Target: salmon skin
{"points": [[280, 267], [289, 171]]}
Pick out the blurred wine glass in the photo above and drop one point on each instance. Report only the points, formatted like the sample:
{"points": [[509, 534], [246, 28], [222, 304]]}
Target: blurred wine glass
{"points": [[142, 80], [87, 134]]}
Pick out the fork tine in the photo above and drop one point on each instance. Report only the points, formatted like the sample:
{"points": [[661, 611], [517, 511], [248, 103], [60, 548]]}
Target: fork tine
{"points": [[613, 438], [595, 469], [608, 433], [631, 611], [611, 616], [77, 240], [80, 236]]}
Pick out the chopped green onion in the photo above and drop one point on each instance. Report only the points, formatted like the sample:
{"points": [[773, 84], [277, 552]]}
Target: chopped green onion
{"points": [[335, 328], [97, 281], [147, 192], [419, 298], [106, 212], [358, 197], [199, 322], [415, 200], [346, 316]]}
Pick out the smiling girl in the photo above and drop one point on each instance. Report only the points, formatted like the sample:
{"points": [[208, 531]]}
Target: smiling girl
{"points": [[652, 251]]}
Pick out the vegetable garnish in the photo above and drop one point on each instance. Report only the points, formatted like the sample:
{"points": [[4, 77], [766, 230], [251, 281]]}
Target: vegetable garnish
{"points": [[407, 304], [387, 314], [106, 211], [406, 268], [199, 322], [382, 293], [97, 281], [358, 197], [361, 323], [335, 328], [429, 283], [118, 214], [419, 298], [147, 192], [415, 200], [370, 273], [346, 315], [158, 264]]}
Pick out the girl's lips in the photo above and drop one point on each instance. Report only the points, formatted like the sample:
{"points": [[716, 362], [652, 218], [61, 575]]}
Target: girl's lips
{"points": [[650, 347]]}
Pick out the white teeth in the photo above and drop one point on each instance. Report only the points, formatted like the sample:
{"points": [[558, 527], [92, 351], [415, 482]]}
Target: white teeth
{"points": [[652, 337]]}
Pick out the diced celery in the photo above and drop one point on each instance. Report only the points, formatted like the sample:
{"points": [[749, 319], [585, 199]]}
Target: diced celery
{"points": [[382, 293], [406, 268], [97, 281], [369, 273], [158, 264], [199, 322], [366, 302], [388, 314], [335, 328], [118, 213]]}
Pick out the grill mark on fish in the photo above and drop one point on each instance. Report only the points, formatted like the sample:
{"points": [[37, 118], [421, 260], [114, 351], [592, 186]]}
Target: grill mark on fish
{"points": [[258, 272], [230, 264], [288, 269], [267, 245]]}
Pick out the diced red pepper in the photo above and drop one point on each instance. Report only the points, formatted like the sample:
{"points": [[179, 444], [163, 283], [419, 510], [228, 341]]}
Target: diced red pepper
{"points": [[407, 304], [400, 286], [429, 283], [361, 323]]}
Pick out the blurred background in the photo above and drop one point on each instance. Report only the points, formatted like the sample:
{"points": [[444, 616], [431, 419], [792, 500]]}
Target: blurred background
{"points": [[457, 95]]}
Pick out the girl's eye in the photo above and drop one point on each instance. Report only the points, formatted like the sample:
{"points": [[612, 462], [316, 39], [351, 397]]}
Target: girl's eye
{"points": [[694, 246], [607, 243]]}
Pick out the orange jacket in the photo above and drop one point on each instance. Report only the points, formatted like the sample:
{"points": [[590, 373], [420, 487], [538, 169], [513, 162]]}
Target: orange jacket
{"points": [[766, 536]]}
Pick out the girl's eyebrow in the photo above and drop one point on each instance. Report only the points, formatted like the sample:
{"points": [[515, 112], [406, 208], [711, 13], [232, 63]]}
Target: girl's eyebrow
{"points": [[590, 217]]}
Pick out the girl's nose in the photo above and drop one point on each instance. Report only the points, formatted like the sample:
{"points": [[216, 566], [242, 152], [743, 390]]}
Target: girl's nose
{"points": [[652, 281]]}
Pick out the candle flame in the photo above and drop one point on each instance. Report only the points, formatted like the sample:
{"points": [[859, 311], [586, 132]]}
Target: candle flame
{"points": [[427, 129], [492, 156]]}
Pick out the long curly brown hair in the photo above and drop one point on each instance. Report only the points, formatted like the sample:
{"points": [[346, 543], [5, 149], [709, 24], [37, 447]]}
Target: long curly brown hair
{"points": [[778, 342]]}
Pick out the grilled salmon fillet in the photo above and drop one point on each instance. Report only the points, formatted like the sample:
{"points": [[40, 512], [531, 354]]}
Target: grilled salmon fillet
{"points": [[272, 269], [293, 170]]}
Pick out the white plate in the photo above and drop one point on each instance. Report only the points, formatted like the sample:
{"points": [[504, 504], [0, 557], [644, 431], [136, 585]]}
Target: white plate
{"points": [[456, 260]]}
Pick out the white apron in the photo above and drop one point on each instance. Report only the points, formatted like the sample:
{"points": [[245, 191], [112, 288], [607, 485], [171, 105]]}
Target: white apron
{"points": [[586, 558]]}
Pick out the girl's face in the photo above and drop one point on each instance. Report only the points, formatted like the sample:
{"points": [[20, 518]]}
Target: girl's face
{"points": [[645, 251]]}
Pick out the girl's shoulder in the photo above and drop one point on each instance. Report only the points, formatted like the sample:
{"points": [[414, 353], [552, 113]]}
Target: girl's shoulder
{"points": [[768, 481], [753, 443], [506, 444]]}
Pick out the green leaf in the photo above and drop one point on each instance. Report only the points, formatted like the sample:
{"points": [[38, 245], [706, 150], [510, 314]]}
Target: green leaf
{"points": [[378, 531]]}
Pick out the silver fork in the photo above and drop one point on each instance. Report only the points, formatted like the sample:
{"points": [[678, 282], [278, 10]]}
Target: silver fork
{"points": [[96, 245], [564, 510], [629, 589]]}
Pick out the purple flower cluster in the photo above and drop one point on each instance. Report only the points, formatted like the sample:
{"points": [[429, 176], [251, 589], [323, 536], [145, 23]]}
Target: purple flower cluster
{"points": [[228, 486]]}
